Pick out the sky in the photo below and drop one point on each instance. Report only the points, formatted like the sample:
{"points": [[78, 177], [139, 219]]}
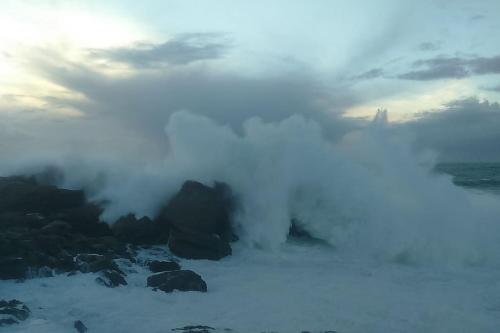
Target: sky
{"points": [[122, 67]]}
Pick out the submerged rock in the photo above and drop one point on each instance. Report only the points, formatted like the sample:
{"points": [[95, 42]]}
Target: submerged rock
{"points": [[157, 266], [13, 311], [199, 220], [79, 326], [195, 329], [182, 280], [111, 279]]}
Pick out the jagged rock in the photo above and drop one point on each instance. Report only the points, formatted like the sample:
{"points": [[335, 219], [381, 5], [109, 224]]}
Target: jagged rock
{"points": [[56, 228], [195, 329], [183, 280], [13, 268], [79, 326], [13, 311], [198, 218], [142, 231], [20, 194], [191, 245], [111, 279], [91, 263], [157, 266]]}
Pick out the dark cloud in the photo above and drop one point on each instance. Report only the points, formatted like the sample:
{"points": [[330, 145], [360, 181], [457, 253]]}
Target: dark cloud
{"points": [[452, 68], [429, 46], [477, 17], [181, 50], [371, 74], [126, 115], [467, 130]]}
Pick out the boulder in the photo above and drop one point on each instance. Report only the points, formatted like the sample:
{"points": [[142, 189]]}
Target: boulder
{"points": [[20, 194], [13, 311], [111, 279], [157, 266], [80, 326], [182, 280], [192, 245], [196, 329], [92, 263], [198, 217], [141, 231], [13, 268]]}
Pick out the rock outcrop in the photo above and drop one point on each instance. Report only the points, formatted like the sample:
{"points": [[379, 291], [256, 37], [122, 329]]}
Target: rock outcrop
{"points": [[198, 217], [182, 280]]}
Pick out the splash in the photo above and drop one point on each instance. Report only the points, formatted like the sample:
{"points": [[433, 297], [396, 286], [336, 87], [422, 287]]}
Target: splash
{"points": [[368, 195]]}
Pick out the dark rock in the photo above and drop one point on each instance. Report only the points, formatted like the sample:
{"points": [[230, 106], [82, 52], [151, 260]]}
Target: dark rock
{"points": [[142, 231], [111, 279], [201, 209], [195, 329], [12, 312], [56, 228], [13, 268], [91, 263], [193, 245], [18, 194], [199, 220], [183, 280], [157, 266], [79, 326]]}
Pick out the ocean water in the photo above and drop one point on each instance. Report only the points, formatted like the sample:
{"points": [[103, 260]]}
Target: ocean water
{"points": [[477, 176]]}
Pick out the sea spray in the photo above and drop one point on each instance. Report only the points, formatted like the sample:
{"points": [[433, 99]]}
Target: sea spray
{"points": [[369, 195]]}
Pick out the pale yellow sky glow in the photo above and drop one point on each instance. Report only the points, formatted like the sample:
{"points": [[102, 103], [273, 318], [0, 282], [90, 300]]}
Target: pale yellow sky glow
{"points": [[65, 33]]}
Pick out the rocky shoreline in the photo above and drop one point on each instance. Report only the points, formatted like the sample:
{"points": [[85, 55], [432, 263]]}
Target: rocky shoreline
{"points": [[47, 231]]}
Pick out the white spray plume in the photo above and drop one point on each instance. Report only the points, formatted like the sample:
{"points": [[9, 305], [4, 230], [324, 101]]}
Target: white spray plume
{"points": [[368, 195]]}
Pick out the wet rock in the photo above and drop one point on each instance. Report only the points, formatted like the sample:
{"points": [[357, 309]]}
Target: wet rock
{"points": [[91, 263], [199, 220], [13, 311], [79, 326], [56, 228], [182, 280], [111, 279], [157, 266], [13, 268], [142, 231], [195, 329], [19, 194], [192, 245]]}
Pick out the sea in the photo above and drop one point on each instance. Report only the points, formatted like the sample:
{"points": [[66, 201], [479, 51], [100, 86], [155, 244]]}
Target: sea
{"points": [[475, 176]]}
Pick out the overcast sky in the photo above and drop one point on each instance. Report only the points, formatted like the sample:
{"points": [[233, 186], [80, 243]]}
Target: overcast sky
{"points": [[125, 66]]}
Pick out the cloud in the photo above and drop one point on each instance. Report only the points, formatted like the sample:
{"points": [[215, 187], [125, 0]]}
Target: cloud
{"points": [[181, 50], [371, 74], [466, 130], [430, 46], [437, 68], [452, 68]]}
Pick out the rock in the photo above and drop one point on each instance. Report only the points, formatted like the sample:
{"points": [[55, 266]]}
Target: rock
{"points": [[191, 245], [183, 280], [157, 266], [91, 263], [13, 311], [19, 194], [111, 279], [142, 231], [198, 218], [13, 268], [79, 326], [56, 228], [201, 209], [195, 329]]}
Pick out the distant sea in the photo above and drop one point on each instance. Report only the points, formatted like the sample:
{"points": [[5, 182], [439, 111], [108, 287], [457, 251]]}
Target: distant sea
{"points": [[478, 176]]}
